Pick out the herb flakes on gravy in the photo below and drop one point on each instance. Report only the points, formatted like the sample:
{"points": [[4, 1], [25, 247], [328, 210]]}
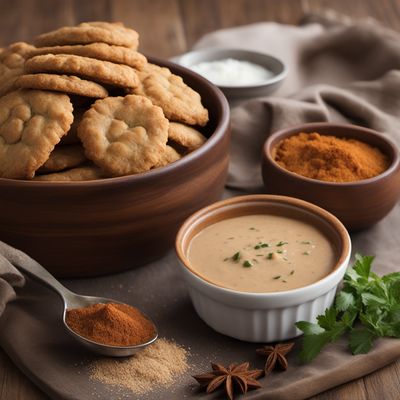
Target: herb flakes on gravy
{"points": [[262, 253]]}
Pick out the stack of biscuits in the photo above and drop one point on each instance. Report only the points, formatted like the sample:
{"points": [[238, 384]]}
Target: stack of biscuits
{"points": [[82, 103]]}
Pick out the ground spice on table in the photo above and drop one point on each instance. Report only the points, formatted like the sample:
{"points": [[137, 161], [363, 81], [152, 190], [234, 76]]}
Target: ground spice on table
{"points": [[111, 324], [330, 158], [158, 365]]}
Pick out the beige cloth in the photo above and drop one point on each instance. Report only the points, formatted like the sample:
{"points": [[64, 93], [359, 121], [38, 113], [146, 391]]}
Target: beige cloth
{"points": [[31, 331], [10, 277], [337, 72]]}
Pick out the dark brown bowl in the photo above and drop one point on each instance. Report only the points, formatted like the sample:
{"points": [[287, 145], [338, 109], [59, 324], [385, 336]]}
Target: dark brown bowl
{"points": [[78, 229], [357, 204]]}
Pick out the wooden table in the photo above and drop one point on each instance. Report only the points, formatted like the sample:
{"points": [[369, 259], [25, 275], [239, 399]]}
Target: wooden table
{"points": [[167, 28]]}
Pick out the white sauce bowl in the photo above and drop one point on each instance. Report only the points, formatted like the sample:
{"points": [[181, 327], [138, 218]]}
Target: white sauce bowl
{"points": [[262, 317], [235, 92]]}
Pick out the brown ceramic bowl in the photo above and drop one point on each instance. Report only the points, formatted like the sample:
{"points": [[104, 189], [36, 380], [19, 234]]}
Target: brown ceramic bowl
{"points": [[90, 228], [357, 204]]}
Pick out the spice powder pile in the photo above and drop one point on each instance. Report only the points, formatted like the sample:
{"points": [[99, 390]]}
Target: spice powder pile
{"points": [[112, 324], [330, 158], [160, 364]]}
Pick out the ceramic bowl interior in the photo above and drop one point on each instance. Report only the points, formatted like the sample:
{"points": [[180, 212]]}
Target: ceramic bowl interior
{"points": [[276, 66], [273, 205], [357, 204], [269, 316]]}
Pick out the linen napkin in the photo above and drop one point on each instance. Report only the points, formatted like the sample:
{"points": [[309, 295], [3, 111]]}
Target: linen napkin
{"points": [[10, 277], [338, 72]]}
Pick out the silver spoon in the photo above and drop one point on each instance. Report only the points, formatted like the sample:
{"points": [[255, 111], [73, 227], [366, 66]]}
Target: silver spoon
{"points": [[71, 300]]}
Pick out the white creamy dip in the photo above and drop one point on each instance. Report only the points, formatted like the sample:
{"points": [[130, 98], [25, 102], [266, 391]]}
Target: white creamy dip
{"points": [[261, 253], [231, 72]]}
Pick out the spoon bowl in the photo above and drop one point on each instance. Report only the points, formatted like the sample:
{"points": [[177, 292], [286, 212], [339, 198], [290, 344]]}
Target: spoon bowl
{"points": [[71, 300], [74, 300]]}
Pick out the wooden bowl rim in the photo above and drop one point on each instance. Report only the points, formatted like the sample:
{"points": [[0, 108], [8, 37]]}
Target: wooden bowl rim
{"points": [[157, 173], [317, 126]]}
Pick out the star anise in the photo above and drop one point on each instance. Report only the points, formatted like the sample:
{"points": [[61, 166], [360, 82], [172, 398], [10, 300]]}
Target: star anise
{"points": [[275, 355], [236, 375]]}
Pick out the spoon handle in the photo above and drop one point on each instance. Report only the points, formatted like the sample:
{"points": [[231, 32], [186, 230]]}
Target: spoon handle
{"points": [[32, 268]]}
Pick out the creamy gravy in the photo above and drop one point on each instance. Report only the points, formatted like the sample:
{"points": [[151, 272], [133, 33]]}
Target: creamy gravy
{"points": [[261, 253]]}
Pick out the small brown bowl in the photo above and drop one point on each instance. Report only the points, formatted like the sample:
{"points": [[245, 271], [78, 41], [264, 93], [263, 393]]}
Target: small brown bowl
{"points": [[357, 204], [77, 229]]}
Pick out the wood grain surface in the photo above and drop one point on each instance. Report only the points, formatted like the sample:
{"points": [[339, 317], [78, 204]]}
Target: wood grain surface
{"points": [[167, 28]]}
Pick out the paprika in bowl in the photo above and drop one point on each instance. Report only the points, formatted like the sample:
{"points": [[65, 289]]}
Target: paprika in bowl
{"points": [[268, 262], [351, 171]]}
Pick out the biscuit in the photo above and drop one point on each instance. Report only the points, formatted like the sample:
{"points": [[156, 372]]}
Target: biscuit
{"points": [[185, 136], [86, 173], [32, 122], [87, 68], [64, 157], [179, 102], [124, 135], [12, 61], [169, 156], [62, 83], [90, 32], [99, 51], [71, 137]]}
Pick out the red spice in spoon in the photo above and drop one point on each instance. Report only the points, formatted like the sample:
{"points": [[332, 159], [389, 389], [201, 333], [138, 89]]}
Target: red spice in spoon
{"points": [[111, 324]]}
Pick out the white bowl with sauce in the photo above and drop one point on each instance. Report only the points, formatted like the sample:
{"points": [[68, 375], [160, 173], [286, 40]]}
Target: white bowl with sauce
{"points": [[227, 68], [292, 257]]}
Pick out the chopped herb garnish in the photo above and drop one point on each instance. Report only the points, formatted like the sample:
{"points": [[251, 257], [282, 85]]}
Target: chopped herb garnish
{"points": [[306, 253], [269, 256], [306, 242], [247, 264], [259, 255], [261, 245], [281, 244], [291, 272], [285, 259], [237, 256], [226, 259], [277, 277], [280, 251]]}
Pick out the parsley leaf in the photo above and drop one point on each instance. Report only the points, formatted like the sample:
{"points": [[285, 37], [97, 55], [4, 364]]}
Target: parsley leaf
{"points": [[366, 299], [361, 340]]}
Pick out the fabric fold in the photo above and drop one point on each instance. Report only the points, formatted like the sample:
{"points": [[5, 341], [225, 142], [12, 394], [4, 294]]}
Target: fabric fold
{"points": [[10, 278]]}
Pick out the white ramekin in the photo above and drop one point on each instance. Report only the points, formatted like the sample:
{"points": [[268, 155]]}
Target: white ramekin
{"points": [[261, 317]]}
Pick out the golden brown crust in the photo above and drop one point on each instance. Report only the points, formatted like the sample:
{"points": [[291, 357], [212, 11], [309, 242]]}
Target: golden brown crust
{"points": [[71, 137], [90, 32], [86, 173], [88, 68], [12, 61], [124, 135], [62, 83], [32, 122], [169, 156], [64, 157], [185, 136], [179, 102], [99, 51]]}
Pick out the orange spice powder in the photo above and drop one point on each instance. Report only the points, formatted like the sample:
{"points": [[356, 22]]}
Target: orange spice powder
{"points": [[330, 158], [112, 324]]}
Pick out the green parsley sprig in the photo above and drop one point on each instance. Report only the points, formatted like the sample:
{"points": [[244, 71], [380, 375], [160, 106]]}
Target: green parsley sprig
{"points": [[371, 301]]}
